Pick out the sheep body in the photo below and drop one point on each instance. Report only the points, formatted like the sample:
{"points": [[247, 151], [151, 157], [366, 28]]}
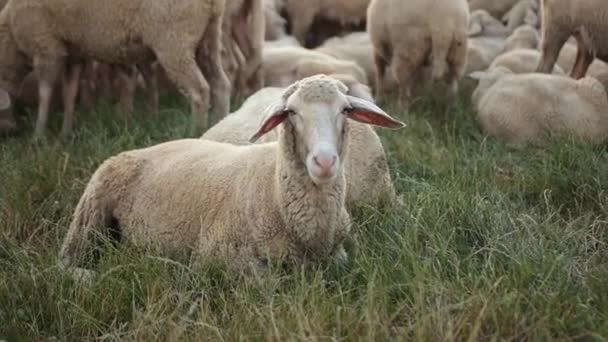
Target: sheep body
{"points": [[497, 8], [524, 37], [481, 51], [528, 108], [408, 35], [355, 47], [482, 23], [521, 61]]}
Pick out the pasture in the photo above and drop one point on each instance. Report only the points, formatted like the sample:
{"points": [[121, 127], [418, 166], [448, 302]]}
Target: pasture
{"points": [[491, 243]]}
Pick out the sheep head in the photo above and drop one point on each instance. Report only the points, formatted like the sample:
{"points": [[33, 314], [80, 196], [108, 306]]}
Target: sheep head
{"points": [[317, 108]]}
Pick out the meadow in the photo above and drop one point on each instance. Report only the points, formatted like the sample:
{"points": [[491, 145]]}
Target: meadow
{"points": [[491, 242]]}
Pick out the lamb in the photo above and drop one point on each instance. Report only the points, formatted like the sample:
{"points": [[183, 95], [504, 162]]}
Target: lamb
{"points": [[303, 13], [54, 33], [368, 180], [410, 36], [481, 51], [481, 23], [585, 20], [529, 108], [524, 12], [218, 202], [355, 47], [524, 37], [497, 8], [521, 61], [284, 65]]}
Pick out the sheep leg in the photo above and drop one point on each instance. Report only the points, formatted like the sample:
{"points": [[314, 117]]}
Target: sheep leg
{"points": [[210, 61], [48, 71], [150, 73], [86, 85], [380, 74], [126, 78], [70, 80], [404, 68], [456, 60], [552, 43], [584, 58], [301, 22]]}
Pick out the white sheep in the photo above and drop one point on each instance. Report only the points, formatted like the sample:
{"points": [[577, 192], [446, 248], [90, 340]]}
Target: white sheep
{"points": [[482, 23], [521, 61], [525, 12], [597, 69], [585, 19], [524, 37], [497, 8], [284, 41], [410, 36], [529, 108], [303, 13], [122, 32], [275, 24], [355, 47], [368, 180], [284, 65], [481, 51], [243, 205]]}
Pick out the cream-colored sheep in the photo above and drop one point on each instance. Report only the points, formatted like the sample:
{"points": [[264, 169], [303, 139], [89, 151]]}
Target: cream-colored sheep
{"points": [[368, 180], [529, 108], [482, 23], [284, 65], [525, 12], [356, 47], [275, 24], [597, 69], [121, 32], [497, 8], [521, 61], [243, 38], [481, 51], [284, 41], [524, 37], [303, 13], [409, 36], [586, 20], [218, 202]]}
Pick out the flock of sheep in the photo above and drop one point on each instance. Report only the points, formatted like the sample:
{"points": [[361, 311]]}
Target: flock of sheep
{"points": [[276, 179]]}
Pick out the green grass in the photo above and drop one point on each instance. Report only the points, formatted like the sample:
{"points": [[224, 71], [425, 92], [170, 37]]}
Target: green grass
{"points": [[492, 242]]}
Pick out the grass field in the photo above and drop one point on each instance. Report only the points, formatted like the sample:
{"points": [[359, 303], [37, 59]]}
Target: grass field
{"points": [[492, 242]]}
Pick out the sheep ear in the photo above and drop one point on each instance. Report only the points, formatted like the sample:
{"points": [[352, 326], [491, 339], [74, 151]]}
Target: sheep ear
{"points": [[5, 100], [366, 112], [475, 29], [276, 113]]}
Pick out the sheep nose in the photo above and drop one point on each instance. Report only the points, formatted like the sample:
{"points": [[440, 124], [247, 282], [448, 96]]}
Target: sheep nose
{"points": [[325, 162]]}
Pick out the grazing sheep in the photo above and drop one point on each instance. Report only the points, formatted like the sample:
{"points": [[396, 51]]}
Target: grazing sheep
{"points": [[122, 32], [239, 204], [524, 12], [521, 61], [368, 180], [481, 23], [302, 14], [413, 35], [529, 108], [285, 65], [481, 51], [497, 8], [7, 121], [524, 37], [355, 47], [585, 19]]}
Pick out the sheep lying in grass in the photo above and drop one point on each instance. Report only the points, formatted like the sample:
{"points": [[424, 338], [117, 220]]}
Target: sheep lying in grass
{"points": [[524, 12], [368, 180], [285, 65], [239, 204], [122, 32], [521, 61], [481, 23], [481, 51], [585, 19], [303, 13], [597, 69], [524, 37], [528, 108], [497, 8], [412, 35]]}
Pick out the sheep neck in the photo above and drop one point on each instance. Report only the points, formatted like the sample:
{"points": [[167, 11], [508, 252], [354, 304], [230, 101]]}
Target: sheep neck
{"points": [[312, 214]]}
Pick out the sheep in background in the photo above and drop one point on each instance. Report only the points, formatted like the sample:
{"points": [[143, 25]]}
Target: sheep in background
{"points": [[521, 61], [529, 108], [481, 23], [355, 47], [173, 34], [275, 24], [597, 69], [368, 180], [524, 12], [524, 37], [218, 202], [285, 65], [585, 19], [415, 35], [302, 14], [481, 51], [497, 8]]}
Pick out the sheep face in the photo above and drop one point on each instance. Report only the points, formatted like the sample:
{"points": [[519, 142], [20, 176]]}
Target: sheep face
{"points": [[316, 109]]}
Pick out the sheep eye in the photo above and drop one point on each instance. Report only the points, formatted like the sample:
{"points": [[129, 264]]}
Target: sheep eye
{"points": [[347, 110], [289, 111]]}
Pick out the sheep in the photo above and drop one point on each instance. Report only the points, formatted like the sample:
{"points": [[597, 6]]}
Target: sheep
{"points": [[524, 12], [284, 41], [284, 65], [410, 36], [497, 8], [585, 20], [52, 32], [355, 47], [529, 108], [524, 37], [368, 180], [597, 69], [481, 51], [243, 37], [275, 24], [521, 61], [7, 121], [481, 23], [218, 202], [302, 14]]}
